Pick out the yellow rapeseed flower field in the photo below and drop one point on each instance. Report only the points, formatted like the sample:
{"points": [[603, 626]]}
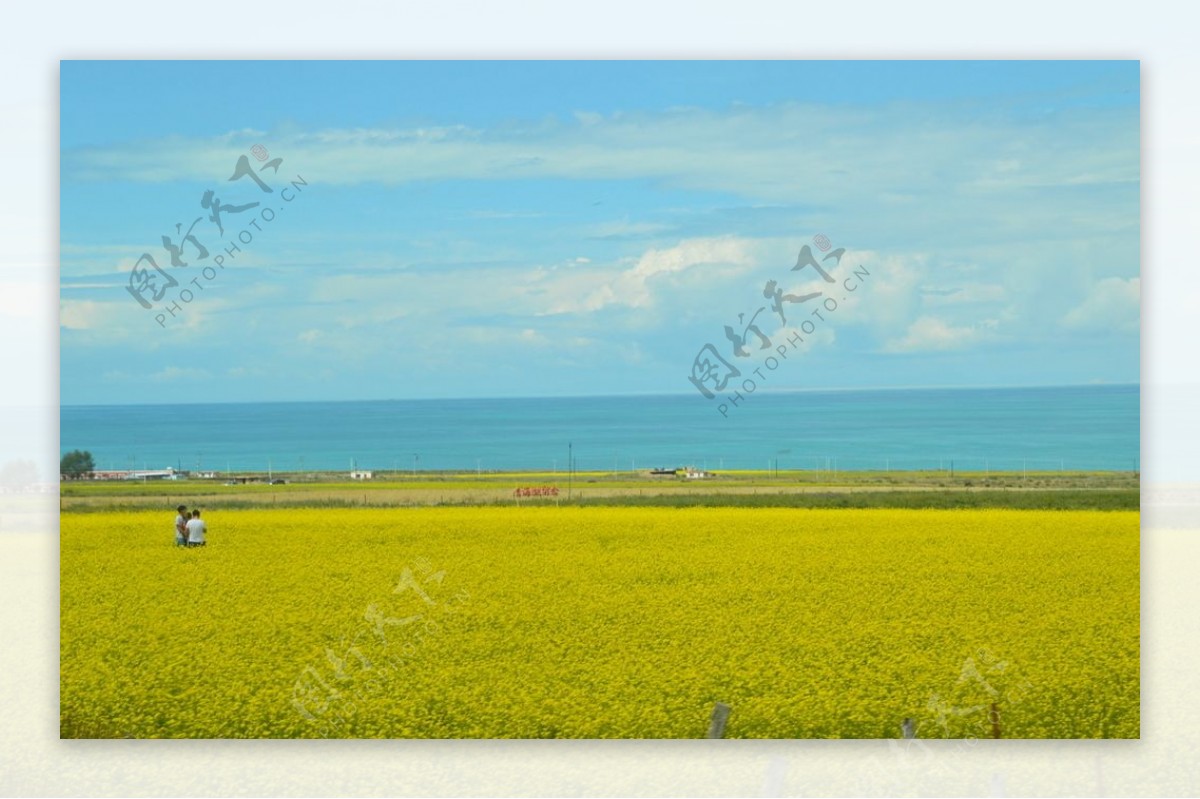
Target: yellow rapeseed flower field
{"points": [[601, 622]]}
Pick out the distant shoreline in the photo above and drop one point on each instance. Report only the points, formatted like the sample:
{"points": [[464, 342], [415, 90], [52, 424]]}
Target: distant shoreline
{"points": [[408, 475], [642, 395], [787, 488]]}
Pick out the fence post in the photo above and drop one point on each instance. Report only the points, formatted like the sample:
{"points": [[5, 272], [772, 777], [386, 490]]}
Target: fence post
{"points": [[908, 728], [994, 715], [716, 725]]}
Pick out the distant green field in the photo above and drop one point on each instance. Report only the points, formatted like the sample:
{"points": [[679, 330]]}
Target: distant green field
{"points": [[641, 480], [1043, 491]]}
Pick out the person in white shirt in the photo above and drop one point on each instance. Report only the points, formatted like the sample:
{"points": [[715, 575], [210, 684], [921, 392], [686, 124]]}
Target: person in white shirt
{"points": [[196, 530], [181, 534]]}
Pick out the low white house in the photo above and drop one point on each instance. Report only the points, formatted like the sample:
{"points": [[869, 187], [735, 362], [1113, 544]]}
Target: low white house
{"points": [[168, 473], [360, 474], [697, 474]]}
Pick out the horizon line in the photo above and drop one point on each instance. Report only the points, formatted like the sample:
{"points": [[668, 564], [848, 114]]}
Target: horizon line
{"points": [[642, 394]]}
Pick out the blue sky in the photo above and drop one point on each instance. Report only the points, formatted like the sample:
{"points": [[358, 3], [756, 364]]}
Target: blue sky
{"points": [[474, 229]]}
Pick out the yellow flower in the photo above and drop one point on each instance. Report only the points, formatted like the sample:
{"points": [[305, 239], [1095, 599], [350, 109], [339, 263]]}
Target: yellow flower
{"points": [[539, 621]]}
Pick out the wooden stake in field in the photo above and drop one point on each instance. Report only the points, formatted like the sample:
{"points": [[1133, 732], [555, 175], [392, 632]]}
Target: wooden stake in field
{"points": [[716, 725], [994, 715]]}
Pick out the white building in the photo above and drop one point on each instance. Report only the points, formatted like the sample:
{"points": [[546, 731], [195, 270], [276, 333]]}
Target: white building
{"points": [[168, 473]]}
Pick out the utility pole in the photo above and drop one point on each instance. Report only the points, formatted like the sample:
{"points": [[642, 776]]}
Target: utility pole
{"points": [[570, 468]]}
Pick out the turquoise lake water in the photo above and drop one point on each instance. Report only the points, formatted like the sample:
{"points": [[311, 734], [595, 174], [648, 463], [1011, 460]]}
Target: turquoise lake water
{"points": [[1081, 427]]}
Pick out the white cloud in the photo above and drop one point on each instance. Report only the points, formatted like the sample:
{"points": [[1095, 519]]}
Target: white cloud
{"points": [[124, 321], [496, 338], [64, 286], [1112, 303], [173, 374], [823, 336], [889, 294], [932, 334], [634, 287], [964, 295], [625, 229], [779, 153], [94, 314]]}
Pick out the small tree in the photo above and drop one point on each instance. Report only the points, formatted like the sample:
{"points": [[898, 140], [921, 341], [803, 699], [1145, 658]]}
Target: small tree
{"points": [[77, 464]]}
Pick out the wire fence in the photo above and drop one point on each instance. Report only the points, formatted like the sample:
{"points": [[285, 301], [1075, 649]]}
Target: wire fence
{"points": [[884, 463]]}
